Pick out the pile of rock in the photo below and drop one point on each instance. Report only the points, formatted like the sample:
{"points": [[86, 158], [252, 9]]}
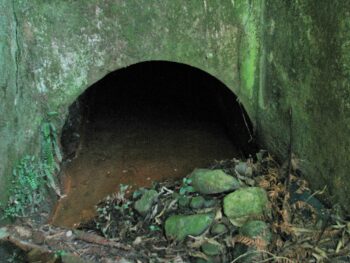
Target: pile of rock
{"points": [[233, 212], [211, 192]]}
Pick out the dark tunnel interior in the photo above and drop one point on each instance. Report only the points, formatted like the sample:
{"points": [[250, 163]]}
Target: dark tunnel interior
{"points": [[151, 121]]}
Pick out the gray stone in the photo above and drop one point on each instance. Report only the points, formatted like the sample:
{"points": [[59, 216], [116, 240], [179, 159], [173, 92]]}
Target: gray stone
{"points": [[256, 229], [210, 203], [245, 204], [144, 204], [184, 201], [211, 249], [207, 181], [178, 227], [252, 229], [197, 202], [218, 229]]}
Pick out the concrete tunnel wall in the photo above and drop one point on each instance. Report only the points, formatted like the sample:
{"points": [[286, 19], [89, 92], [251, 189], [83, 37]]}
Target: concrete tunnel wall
{"points": [[275, 56]]}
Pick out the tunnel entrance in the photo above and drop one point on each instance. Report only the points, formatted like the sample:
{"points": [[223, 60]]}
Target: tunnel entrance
{"points": [[152, 121]]}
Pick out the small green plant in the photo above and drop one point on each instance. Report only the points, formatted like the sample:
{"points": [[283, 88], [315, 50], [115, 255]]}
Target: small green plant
{"points": [[32, 174], [60, 253], [154, 228], [15, 257], [50, 154], [186, 187], [25, 193]]}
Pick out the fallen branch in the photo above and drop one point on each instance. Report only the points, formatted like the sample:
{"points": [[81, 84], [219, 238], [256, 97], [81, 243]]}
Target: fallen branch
{"points": [[96, 239], [26, 246], [30, 238]]}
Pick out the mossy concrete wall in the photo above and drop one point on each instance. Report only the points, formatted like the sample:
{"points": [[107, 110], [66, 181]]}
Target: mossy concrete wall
{"points": [[19, 111], [275, 55], [54, 50], [307, 45]]}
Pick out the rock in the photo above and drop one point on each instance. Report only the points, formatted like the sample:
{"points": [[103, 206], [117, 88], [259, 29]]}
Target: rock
{"points": [[38, 255], [218, 229], [245, 204], [211, 249], [70, 258], [307, 197], [207, 181], [214, 259], [253, 229], [256, 229], [184, 201], [197, 202], [246, 254], [178, 227], [144, 204], [210, 203], [244, 169], [201, 260]]}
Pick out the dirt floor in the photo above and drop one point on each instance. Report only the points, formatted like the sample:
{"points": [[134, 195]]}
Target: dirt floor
{"points": [[293, 225], [133, 194], [135, 153]]}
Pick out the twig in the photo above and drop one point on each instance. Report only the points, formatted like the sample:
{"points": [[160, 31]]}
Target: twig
{"points": [[273, 256], [24, 245], [246, 123], [289, 165], [93, 238]]}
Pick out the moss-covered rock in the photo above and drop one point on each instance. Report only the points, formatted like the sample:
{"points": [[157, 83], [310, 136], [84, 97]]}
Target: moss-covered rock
{"points": [[197, 202], [144, 204], [178, 227], [184, 201], [256, 229], [245, 204], [209, 260], [210, 203], [211, 249], [218, 229], [207, 181]]}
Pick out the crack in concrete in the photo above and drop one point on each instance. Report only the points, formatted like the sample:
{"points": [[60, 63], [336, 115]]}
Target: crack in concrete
{"points": [[262, 63], [240, 38], [17, 45]]}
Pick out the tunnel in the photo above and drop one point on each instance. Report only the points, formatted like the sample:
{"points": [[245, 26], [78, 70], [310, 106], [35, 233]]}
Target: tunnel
{"points": [[99, 83], [149, 122]]}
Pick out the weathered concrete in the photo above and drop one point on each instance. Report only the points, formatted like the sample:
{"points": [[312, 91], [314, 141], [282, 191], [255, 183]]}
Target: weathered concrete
{"points": [[275, 55], [54, 51], [307, 47], [19, 116]]}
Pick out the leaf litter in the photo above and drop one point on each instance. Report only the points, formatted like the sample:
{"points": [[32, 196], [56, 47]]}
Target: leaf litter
{"points": [[302, 228]]}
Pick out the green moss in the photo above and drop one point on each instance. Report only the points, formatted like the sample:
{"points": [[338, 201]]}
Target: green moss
{"points": [[306, 72], [31, 176], [52, 51], [250, 56], [178, 227]]}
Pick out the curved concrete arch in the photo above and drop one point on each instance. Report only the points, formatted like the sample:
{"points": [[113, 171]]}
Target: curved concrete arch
{"points": [[233, 89], [105, 36], [55, 50]]}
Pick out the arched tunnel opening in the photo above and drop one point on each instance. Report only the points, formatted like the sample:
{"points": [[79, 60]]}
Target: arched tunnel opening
{"points": [[151, 121]]}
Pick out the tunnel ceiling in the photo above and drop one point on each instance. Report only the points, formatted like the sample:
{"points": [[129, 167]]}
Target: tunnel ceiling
{"points": [[277, 56]]}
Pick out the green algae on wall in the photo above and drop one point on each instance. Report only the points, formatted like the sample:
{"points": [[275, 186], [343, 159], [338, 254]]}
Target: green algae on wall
{"points": [[54, 50], [307, 44], [276, 56], [249, 15], [105, 36], [17, 112]]}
